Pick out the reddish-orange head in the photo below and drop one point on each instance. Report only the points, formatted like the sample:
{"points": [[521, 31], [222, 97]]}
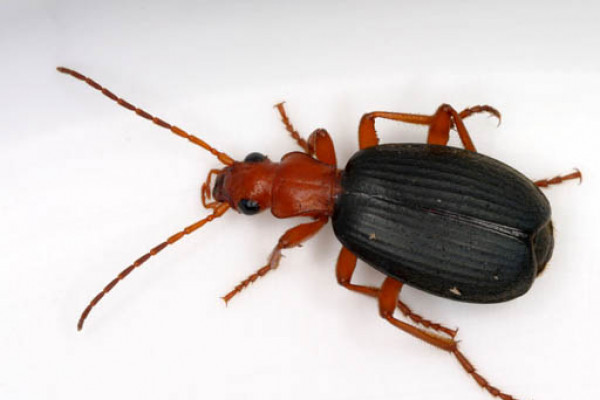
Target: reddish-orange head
{"points": [[245, 186]]}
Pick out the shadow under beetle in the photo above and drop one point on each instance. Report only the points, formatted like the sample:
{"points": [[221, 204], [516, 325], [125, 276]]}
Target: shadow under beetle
{"points": [[445, 220]]}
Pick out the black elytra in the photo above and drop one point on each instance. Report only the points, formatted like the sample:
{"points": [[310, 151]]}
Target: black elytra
{"points": [[445, 220]]}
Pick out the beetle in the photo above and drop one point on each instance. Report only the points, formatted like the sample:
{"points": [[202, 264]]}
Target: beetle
{"points": [[445, 220]]}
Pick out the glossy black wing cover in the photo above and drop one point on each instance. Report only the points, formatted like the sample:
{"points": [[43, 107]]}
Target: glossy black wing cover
{"points": [[451, 222]]}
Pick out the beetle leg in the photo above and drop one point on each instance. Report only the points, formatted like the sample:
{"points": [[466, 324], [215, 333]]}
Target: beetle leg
{"points": [[388, 297], [291, 238], [387, 303], [416, 318], [443, 120], [290, 128], [367, 136], [440, 124], [446, 118], [467, 112], [345, 267], [321, 146], [559, 179]]}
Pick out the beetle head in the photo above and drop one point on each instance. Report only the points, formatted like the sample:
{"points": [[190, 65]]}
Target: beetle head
{"points": [[245, 186]]}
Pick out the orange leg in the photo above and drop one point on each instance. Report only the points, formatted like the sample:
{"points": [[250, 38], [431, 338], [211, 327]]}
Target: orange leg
{"points": [[467, 112], [345, 267], [290, 128], [291, 238], [319, 142], [388, 296], [559, 179], [321, 147], [440, 124]]}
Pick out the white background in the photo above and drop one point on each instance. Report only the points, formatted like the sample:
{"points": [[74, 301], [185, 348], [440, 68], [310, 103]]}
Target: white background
{"points": [[87, 187]]}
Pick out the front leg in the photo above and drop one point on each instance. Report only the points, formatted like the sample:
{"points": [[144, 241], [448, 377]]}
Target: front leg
{"points": [[291, 238], [290, 128], [321, 147], [319, 144]]}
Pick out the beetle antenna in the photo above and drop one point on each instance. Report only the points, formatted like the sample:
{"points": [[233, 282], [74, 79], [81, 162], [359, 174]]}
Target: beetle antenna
{"points": [[224, 158], [219, 210]]}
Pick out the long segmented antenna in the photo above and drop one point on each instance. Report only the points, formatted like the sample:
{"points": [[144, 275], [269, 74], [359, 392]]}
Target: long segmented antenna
{"points": [[220, 210], [224, 158]]}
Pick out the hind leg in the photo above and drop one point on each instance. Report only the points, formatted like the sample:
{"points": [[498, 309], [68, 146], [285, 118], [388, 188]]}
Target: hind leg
{"points": [[388, 295], [544, 183]]}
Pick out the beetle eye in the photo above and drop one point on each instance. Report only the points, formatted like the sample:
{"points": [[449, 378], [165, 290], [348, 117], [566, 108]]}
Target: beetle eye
{"points": [[248, 207], [255, 157]]}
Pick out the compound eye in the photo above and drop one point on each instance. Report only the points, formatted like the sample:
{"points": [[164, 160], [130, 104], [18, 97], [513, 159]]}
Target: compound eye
{"points": [[248, 207], [255, 157]]}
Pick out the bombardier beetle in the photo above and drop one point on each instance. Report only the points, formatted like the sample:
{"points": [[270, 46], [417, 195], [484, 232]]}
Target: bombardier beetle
{"points": [[445, 220]]}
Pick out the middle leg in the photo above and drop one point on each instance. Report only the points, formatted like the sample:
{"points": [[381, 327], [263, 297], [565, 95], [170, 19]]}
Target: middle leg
{"points": [[440, 124]]}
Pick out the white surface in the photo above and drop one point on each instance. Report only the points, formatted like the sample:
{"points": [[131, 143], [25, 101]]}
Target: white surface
{"points": [[87, 187]]}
